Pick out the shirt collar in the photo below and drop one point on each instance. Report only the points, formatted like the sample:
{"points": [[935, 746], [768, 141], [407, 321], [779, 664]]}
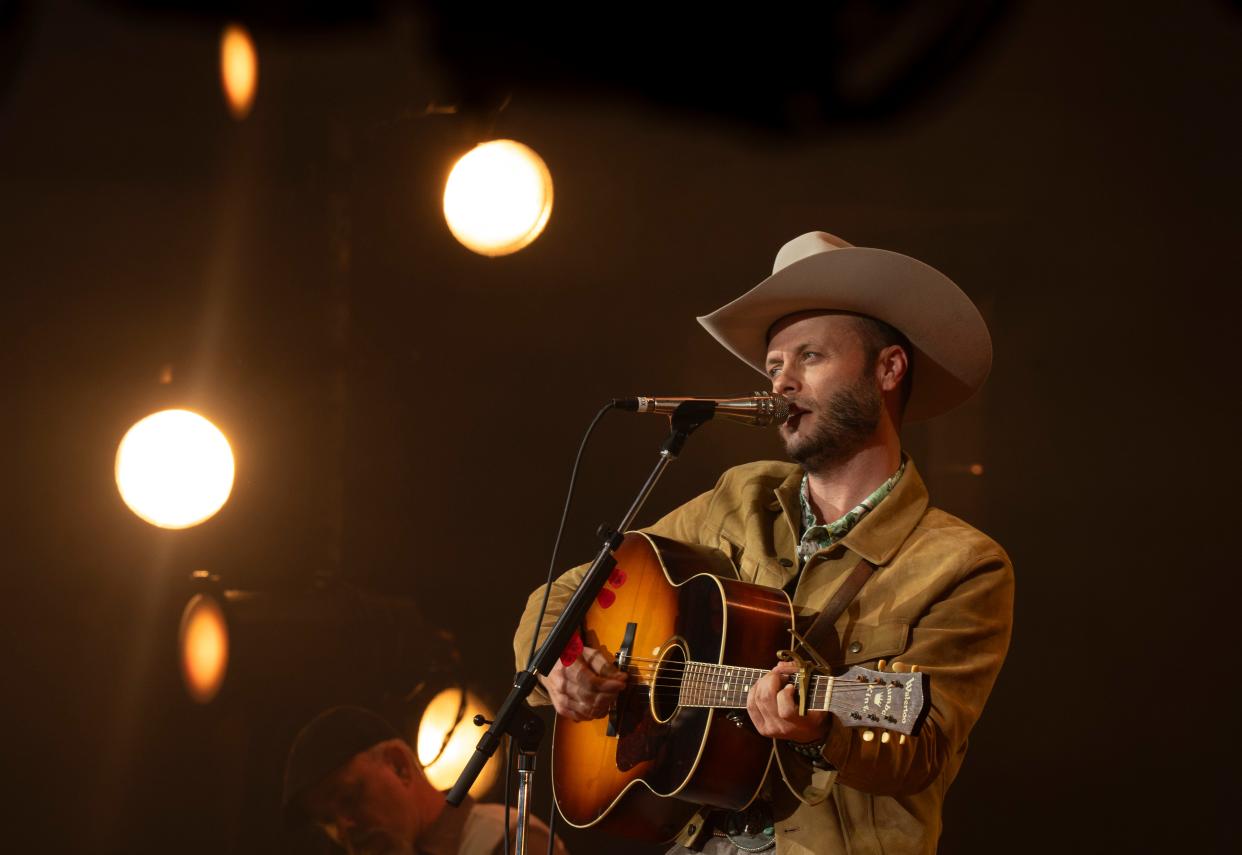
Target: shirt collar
{"points": [[817, 535]]}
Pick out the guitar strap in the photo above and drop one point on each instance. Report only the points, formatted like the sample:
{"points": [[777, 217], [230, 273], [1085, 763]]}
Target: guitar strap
{"points": [[822, 628], [811, 784]]}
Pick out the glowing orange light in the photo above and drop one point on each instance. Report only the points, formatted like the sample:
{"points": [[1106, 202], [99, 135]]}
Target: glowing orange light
{"points": [[204, 642], [498, 197], [443, 760], [174, 469], [976, 469], [239, 69]]}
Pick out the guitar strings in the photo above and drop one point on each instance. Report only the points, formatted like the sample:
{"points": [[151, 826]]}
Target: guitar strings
{"points": [[669, 672], [717, 684], [690, 681], [682, 662], [710, 673], [709, 693], [706, 685], [653, 676]]}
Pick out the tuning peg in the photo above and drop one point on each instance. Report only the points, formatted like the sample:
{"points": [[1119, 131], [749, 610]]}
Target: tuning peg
{"points": [[885, 737], [868, 735], [914, 669], [901, 740], [880, 665]]}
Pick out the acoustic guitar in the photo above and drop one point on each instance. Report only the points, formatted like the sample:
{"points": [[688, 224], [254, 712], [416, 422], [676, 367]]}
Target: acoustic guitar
{"points": [[694, 640]]}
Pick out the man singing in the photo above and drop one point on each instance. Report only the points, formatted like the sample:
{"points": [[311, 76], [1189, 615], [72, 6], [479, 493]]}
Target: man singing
{"points": [[858, 340]]}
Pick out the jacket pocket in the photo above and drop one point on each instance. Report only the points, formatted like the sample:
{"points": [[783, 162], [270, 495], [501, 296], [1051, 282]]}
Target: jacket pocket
{"points": [[866, 642]]}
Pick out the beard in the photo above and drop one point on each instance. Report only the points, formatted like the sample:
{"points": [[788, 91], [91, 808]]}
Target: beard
{"points": [[842, 428]]}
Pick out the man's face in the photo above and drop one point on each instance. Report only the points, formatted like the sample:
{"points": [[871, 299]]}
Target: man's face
{"points": [[366, 807], [819, 363]]}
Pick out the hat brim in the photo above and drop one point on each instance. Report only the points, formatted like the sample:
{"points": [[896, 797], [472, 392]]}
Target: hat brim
{"points": [[953, 349]]}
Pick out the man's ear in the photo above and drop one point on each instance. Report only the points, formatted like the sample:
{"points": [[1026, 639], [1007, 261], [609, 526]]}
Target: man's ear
{"points": [[891, 366]]}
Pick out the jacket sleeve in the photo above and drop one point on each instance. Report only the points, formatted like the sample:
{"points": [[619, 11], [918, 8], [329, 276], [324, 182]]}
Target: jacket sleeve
{"points": [[960, 642], [682, 523]]}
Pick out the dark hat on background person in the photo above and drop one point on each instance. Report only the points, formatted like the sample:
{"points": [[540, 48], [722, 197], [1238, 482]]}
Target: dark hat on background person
{"points": [[324, 745], [819, 271]]}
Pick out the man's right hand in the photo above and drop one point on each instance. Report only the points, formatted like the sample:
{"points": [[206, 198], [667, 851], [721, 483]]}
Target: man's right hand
{"points": [[586, 689]]}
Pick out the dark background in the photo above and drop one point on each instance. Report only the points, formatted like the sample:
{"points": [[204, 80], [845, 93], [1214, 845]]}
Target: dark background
{"points": [[404, 413]]}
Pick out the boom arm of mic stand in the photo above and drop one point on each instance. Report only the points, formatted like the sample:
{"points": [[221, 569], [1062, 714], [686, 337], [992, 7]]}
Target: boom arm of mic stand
{"points": [[514, 716]]}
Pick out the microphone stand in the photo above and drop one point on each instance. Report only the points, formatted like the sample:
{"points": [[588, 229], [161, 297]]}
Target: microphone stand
{"points": [[515, 716]]}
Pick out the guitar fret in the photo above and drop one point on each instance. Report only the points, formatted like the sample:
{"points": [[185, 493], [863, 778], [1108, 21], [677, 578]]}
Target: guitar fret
{"points": [[706, 684]]}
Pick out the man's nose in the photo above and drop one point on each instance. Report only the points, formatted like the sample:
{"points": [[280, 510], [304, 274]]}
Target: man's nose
{"points": [[784, 383]]}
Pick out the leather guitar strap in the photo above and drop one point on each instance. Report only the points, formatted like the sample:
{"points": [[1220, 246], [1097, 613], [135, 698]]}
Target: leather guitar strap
{"points": [[823, 627]]}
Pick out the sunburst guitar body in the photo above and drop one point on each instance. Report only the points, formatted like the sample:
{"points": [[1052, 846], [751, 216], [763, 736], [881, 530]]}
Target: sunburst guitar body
{"points": [[642, 770], [694, 639]]}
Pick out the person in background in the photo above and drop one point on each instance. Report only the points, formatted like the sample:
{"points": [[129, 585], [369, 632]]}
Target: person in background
{"points": [[350, 773]]}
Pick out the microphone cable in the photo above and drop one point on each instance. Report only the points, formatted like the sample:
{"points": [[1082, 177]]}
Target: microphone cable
{"points": [[560, 530], [543, 607]]}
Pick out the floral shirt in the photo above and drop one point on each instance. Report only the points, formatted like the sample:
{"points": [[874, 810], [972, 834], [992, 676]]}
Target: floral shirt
{"points": [[817, 535]]}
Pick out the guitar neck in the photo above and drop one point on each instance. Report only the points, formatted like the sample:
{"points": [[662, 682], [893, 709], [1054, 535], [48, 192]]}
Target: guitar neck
{"points": [[860, 697], [705, 684]]}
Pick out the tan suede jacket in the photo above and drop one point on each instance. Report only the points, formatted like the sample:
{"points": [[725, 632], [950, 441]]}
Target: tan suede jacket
{"points": [[941, 598]]}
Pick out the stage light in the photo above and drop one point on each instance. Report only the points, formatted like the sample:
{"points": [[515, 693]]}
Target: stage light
{"points": [[498, 198], [204, 647], [239, 69], [446, 739], [174, 469]]}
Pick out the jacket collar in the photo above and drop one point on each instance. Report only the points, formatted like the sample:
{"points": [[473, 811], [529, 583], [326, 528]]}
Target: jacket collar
{"points": [[787, 501], [879, 534]]}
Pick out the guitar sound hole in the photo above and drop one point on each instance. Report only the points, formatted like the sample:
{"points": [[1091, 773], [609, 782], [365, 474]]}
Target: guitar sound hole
{"points": [[666, 687]]}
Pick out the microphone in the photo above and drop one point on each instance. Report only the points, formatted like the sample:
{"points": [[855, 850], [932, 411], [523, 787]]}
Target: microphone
{"points": [[760, 409]]}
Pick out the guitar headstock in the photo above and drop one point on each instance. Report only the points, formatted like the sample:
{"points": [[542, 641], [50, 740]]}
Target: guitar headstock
{"points": [[886, 700]]}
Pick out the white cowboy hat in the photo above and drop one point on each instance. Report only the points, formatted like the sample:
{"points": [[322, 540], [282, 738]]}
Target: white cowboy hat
{"points": [[953, 350]]}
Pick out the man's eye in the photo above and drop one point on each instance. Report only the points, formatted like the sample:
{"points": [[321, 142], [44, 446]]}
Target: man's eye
{"points": [[774, 370]]}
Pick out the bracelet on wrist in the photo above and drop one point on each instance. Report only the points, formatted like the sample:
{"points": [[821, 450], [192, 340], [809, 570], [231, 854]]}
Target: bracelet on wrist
{"points": [[812, 751]]}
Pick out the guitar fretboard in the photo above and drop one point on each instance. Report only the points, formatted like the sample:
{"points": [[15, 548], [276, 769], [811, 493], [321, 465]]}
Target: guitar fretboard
{"points": [[705, 684]]}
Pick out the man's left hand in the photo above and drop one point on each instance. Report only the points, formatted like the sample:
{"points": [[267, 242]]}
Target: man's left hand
{"points": [[773, 707]]}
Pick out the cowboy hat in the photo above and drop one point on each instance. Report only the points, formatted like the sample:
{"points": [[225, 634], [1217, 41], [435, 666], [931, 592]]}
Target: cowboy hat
{"points": [[952, 347]]}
